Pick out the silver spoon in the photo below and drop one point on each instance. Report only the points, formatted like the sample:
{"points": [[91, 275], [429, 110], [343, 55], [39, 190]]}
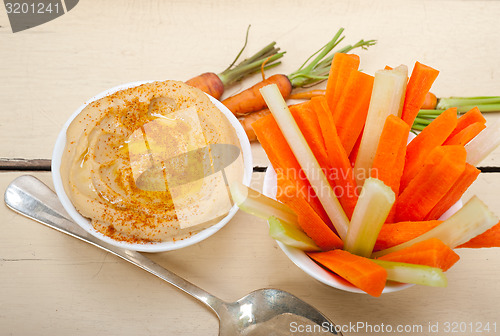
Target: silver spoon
{"points": [[262, 312]]}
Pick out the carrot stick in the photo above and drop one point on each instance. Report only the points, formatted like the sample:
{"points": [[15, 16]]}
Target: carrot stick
{"points": [[442, 168], [342, 65], [387, 98], [467, 134], [352, 107], [432, 136], [309, 125], [431, 252], [468, 176], [389, 159], [397, 233], [251, 100], [309, 220], [288, 190], [283, 160], [277, 149], [361, 272], [420, 83], [472, 116], [247, 120], [307, 94], [355, 150], [489, 238], [340, 167]]}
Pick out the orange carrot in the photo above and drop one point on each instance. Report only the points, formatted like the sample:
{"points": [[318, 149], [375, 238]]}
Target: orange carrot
{"points": [[432, 136], [468, 176], [490, 238], [313, 70], [215, 84], [465, 135], [283, 160], [247, 120], [309, 220], [340, 167], [251, 100], [431, 252], [307, 94], [397, 233], [355, 149], [430, 101], [352, 107], [472, 116], [341, 68], [389, 159], [288, 190], [442, 168], [276, 147], [361, 272], [208, 82], [309, 125], [420, 83]]}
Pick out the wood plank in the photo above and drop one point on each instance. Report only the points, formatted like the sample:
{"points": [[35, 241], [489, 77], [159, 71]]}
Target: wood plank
{"points": [[50, 70], [66, 287]]}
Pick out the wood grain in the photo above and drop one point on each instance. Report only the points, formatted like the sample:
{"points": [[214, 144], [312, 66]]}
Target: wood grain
{"points": [[52, 284], [48, 71], [66, 287]]}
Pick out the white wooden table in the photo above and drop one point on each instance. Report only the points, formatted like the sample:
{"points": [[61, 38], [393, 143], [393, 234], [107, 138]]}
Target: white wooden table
{"points": [[51, 284]]}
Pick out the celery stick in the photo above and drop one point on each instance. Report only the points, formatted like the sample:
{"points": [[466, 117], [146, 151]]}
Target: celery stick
{"points": [[373, 206], [483, 144], [305, 157], [387, 98], [471, 220], [290, 235], [446, 103], [255, 203], [411, 273]]}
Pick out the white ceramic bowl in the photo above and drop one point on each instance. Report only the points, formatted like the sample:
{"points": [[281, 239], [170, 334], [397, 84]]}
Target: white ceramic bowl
{"points": [[146, 247], [302, 260]]}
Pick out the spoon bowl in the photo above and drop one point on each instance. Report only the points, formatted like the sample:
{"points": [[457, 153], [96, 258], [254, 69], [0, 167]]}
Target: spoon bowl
{"points": [[262, 312]]}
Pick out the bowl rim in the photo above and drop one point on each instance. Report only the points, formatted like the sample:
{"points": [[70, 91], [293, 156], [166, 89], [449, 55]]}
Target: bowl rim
{"points": [[145, 247], [306, 264]]}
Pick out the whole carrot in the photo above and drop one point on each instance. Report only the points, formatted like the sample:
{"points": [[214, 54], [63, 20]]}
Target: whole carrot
{"points": [[215, 84], [430, 101], [310, 72], [307, 94], [251, 100], [247, 120], [433, 107]]}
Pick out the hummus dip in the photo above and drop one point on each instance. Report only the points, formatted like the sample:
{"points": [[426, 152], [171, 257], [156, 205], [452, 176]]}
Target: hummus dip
{"points": [[151, 163]]}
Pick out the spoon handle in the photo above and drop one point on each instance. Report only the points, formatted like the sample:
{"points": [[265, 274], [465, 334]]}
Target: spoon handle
{"points": [[32, 198]]}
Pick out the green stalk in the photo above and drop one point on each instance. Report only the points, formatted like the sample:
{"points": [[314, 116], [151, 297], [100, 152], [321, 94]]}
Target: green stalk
{"points": [[430, 112], [269, 54], [422, 121], [418, 127], [315, 70], [230, 76], [446, 103], [481, 107]]}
